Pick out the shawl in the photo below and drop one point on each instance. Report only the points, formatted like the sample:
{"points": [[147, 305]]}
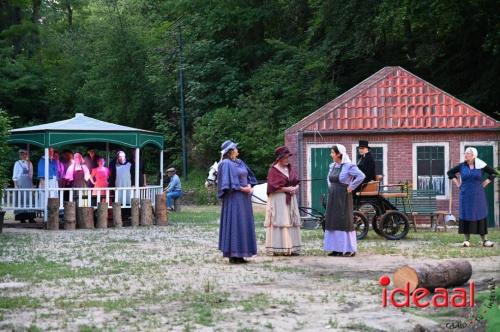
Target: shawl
{"points": [[277, 180]]}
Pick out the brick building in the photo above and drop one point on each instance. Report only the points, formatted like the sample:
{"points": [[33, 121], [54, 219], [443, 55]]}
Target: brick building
{"points": [[416, 130]]}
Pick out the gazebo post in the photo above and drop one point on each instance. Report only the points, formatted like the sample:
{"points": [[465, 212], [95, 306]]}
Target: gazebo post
{"points": [[137, 152], [46, 185], [161, 167]]}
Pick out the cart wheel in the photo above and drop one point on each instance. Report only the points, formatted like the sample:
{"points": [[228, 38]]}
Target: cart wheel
{"points": [[360, 224], [394, 225], [372, 212]]}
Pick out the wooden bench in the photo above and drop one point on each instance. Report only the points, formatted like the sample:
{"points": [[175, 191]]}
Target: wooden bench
{"points": [[423, 203]]}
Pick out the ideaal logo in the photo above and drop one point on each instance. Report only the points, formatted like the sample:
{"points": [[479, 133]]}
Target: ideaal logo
{"points": [[441, 297]]}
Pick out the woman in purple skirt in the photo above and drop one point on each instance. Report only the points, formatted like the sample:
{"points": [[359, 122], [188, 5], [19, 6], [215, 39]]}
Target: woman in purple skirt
{"points": [[234, 187], [343, 178]]}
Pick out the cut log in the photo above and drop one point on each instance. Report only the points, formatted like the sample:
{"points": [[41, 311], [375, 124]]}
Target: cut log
{"points": [[177, 204], [134, 211], [146, 212], [53, 214], [69, 215], [85, 217], [431, 276], [117, 215], [102, 215], [161, 215]]}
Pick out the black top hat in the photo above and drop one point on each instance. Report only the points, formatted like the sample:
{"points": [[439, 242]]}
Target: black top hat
{"points": [[363, 144]]}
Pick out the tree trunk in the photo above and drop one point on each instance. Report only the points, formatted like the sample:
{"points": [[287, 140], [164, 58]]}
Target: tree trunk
{"points": [[161, 210], [102, 215], [146, 212], [69, 215], [85, 217], [134, 211], [53, 217], [117, 215], [443, 274]]}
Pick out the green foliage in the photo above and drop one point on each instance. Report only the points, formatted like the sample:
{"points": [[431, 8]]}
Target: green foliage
{"points": [[252, 68], [4, 149]]}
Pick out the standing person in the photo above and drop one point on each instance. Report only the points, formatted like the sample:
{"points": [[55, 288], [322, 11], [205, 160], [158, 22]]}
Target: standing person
{"points": [[61, 172], [123, 177], [473, 204], [90, 159], [174, 189], [366, 164], [22, 176], [343, 178], [282, 211], [78, 173], [234, 187], [99, 177], [52, 175]]}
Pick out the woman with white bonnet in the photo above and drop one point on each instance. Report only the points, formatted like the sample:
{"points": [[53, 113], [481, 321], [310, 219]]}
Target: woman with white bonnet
{"points": [[472, 199], [343, 178]]}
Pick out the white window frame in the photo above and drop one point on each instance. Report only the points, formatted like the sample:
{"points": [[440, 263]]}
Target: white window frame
{"points": [[384, 146], [496, 198], [446, 146]]}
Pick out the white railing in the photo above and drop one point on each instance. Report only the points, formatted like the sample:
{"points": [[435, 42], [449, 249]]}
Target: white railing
{"points": [[34, 198]]}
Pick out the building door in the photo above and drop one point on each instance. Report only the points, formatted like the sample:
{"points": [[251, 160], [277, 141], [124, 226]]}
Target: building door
{"points": [[319, 163], [485, 152]]}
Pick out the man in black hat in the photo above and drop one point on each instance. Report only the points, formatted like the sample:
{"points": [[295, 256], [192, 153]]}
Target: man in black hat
{"points": [[366, 163]]}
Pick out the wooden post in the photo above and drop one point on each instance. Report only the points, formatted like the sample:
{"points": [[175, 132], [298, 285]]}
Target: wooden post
{"points": [[53, 209], [102, 215], [161, 210], [177, 204], [431, 276], [146, 212], [85, 217], [134, 211], [117, 215], [69, 215]]}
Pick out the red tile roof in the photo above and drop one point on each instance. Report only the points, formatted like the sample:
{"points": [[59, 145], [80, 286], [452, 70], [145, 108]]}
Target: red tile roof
{"points": [[394, 99]]}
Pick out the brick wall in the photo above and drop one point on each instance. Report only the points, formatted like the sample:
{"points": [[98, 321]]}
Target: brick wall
{"points": [[399, 153]]}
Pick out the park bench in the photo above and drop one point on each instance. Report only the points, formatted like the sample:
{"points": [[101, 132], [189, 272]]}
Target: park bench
{"points": [[422, 203]]}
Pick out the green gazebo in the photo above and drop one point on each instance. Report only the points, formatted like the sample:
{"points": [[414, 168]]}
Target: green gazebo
{"points": [[84, 129]]}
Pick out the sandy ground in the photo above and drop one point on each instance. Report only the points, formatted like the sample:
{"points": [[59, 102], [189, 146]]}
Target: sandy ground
{"points": [[173, 278]]}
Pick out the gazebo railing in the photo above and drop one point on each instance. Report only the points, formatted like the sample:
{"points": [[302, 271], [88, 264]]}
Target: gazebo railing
{"points": [[34, 198]]}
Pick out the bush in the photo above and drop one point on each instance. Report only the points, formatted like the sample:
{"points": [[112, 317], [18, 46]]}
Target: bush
{"points": [[4, 150], [195, 192]]}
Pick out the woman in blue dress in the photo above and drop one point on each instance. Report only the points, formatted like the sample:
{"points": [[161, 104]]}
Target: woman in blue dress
{"points": [[234, 187], [343, 178], [473, 206]]}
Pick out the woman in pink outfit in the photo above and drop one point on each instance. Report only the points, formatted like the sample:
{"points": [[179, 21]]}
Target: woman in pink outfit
{"points": [[99, 177]]}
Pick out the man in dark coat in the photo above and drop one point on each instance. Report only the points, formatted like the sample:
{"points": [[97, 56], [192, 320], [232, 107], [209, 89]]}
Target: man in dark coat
{"points": [[366, 163]]}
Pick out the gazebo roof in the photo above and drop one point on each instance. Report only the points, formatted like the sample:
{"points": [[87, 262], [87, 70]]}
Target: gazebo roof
{"points": [[82, 129]]}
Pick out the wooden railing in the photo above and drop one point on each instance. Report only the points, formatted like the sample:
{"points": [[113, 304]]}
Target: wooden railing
{"points": [[34, 198]]}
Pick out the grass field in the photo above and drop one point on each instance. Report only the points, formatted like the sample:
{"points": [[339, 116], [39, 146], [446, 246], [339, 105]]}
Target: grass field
{"points": [[173, 278]]}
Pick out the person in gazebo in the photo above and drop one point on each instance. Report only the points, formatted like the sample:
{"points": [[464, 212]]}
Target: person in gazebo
{"points": [[122, 176], [52, 174], [99, 177], [78, 173], [22, 176]]}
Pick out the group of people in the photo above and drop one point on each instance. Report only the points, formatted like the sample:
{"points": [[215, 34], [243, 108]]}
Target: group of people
{"points": [[237, 239], [73, 171]]}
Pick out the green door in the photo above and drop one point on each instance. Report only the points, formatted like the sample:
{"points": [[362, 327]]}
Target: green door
{"points": [[485, 152], [320, 160]]}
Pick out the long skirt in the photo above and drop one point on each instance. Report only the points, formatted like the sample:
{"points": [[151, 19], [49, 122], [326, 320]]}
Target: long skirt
{"points": [[237, 228], [282, 225]]}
